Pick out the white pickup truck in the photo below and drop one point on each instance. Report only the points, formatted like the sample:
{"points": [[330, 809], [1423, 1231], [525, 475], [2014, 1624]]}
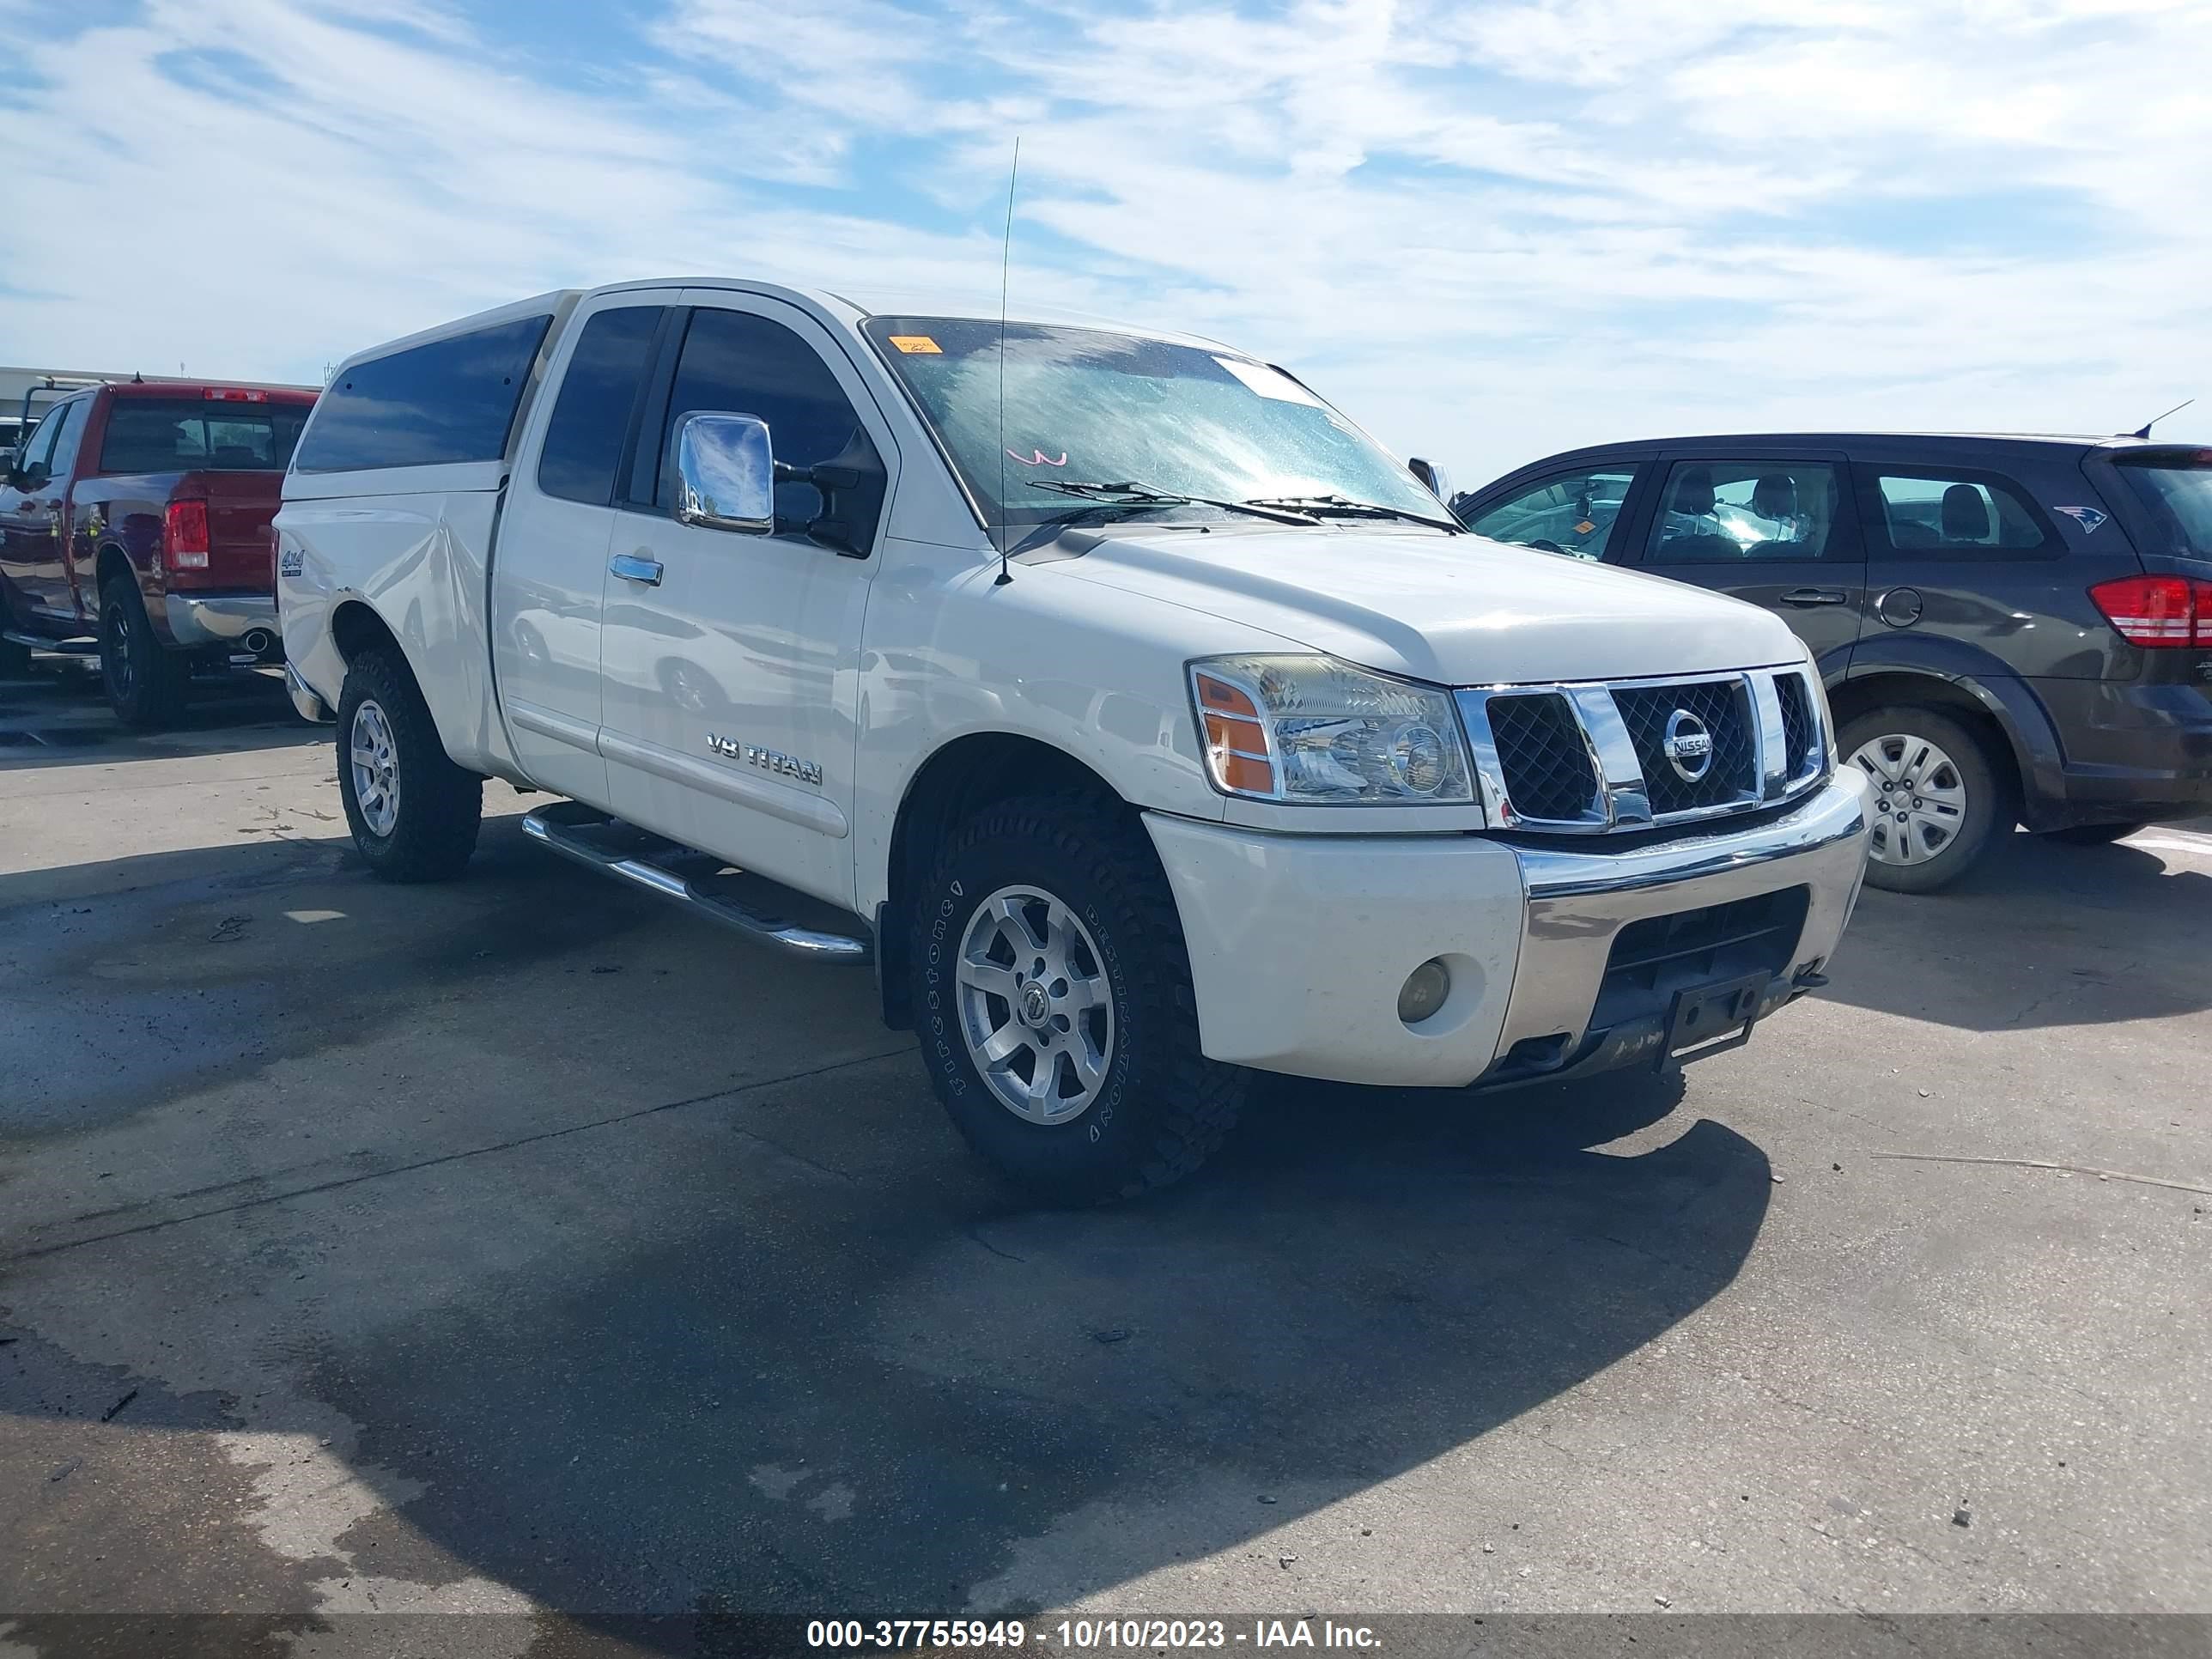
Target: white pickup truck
{"points": [[1141, 719]]}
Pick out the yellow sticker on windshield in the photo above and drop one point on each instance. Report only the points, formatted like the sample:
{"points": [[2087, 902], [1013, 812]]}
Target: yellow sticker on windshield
{"points": [[914, 343], [1585, 527]]}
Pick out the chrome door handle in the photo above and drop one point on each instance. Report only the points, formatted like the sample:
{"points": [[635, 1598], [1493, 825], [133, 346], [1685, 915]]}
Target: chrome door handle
{"points": [[632, 568], [1815, 596]]}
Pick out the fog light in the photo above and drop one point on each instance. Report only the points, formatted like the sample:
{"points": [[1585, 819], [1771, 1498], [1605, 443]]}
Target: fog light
{"points": [[1423, 990]]}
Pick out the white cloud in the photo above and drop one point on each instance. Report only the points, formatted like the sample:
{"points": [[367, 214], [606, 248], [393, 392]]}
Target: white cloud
{"points": [[1490, 230]]}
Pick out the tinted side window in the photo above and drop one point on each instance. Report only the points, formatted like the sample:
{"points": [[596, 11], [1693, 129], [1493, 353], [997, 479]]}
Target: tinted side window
{"points": [[1952, 513], [39, 453], [740, 364], [73, 417], [451, 400], [70, 432], [591, 421], [1716, 511], [1567, 512]]}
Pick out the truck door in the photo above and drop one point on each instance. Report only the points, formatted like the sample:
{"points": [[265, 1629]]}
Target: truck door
{"points": [[34, 519], [731, 661], [549, 570]]}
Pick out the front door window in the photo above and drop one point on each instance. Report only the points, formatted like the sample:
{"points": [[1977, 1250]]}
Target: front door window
{"points": [[1567, 512], [1716, 511]]}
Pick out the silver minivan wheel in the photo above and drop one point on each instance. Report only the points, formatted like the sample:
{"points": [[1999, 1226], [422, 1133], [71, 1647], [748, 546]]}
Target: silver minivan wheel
{"points": [[375, 760], [1919, 797], [1036, 1011]]}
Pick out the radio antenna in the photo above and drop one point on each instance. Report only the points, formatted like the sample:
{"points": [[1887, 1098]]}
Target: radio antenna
{"points": [[1005, 265], [2142, 431]]}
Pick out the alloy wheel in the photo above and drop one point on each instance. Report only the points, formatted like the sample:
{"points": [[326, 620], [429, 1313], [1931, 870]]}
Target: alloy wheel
{"points": [[115, 660], [1036, 1011], [375, 759]]}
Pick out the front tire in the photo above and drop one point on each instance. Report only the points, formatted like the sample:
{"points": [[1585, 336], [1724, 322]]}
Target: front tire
{"points": [[1939, 799], [1052, 997], [414, 814], [145, 684]]}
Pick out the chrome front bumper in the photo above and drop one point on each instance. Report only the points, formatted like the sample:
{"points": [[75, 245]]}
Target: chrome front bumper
{"points": [[1579, 900], [1298, 943], [196, 620]]}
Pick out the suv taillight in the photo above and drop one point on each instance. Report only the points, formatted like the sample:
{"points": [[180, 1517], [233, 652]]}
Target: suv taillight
{"points": [[185, 536], [2155, 611]]}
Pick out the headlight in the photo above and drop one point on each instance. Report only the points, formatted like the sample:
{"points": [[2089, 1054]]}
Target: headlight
{"points": [[1314, 730]]}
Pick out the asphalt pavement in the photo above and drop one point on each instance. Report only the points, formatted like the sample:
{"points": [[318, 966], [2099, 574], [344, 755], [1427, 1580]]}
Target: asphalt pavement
{"points": [[521, 1247]]}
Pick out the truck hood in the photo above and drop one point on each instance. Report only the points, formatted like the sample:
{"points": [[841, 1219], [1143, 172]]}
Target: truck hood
{"points": [[1451, 610]]}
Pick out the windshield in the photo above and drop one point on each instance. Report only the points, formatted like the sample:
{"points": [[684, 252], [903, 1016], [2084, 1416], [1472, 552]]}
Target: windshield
{"points": [[2177, 487], [1089, 406]]}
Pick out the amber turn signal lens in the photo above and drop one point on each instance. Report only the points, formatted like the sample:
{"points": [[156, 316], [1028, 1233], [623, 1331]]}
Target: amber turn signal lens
{"points": [[1236, 738]]}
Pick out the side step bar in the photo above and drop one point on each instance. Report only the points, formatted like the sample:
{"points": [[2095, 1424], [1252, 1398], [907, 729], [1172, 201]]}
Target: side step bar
{"points": [[86, 647], [699, 880]]}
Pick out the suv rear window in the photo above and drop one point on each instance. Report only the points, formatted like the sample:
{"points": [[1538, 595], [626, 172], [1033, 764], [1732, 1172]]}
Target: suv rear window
{"points": [[2177, 487], [177, 435], [1971, 513], [450, 400]]}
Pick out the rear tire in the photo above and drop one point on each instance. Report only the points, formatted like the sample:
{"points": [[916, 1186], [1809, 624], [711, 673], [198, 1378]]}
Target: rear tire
{"points": [[1939, 797], [145, 682], [1131, 1104], [414, 814], [15, 658], [2093, 835]]}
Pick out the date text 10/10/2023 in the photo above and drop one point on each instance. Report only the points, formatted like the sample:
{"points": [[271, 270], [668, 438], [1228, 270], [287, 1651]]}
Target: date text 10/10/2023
{"points": [[1086, 1634]]}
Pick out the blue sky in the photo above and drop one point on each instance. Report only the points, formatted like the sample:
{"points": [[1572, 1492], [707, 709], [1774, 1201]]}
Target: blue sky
{"points": [[1489, 230]]}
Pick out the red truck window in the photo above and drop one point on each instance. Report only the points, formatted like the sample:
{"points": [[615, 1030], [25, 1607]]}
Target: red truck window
{"points": [[161, 434]]}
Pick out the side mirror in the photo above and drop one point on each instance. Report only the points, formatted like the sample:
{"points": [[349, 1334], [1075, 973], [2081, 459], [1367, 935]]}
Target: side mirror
{"points": [[1431, 475], [726, 473]]}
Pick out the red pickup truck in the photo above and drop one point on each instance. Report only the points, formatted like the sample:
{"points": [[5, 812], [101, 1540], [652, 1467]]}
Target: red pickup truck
{"points": [[135, 520]]}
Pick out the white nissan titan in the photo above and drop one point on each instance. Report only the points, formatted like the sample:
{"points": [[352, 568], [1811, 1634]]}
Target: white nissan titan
{"points": [[1141, 719]]}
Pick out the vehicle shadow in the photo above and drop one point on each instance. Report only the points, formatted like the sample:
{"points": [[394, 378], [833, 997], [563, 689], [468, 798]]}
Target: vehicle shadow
{"points": [[789, 1348], [58, 717], [2041, 934], [898, 1390]]}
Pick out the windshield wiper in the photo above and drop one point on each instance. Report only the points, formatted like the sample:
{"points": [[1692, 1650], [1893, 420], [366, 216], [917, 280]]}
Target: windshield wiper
{"points": [[1139, 495], [1045, 529], [1344, 507]]}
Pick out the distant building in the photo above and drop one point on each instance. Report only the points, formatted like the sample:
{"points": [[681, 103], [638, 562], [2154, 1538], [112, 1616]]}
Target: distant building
{"points": [[25, 393]]}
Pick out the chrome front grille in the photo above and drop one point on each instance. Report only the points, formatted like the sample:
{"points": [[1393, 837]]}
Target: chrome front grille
{"points": [[1726, 773], [1800, 728], [1587, 758], [1540, 746]]}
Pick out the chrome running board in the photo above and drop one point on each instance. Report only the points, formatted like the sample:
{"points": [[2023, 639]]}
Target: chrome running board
{"points": [[751, 904]]}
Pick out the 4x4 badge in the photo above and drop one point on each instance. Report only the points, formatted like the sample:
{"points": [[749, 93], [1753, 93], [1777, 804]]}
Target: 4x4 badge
{"points": [[2088, 517]]}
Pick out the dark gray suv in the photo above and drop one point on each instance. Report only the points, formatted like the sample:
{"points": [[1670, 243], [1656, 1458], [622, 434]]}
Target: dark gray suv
{"points": [[2011, 629]]}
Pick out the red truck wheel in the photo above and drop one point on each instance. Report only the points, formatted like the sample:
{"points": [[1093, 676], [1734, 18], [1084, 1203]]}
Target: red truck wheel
{"points": [[145, 684]]}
